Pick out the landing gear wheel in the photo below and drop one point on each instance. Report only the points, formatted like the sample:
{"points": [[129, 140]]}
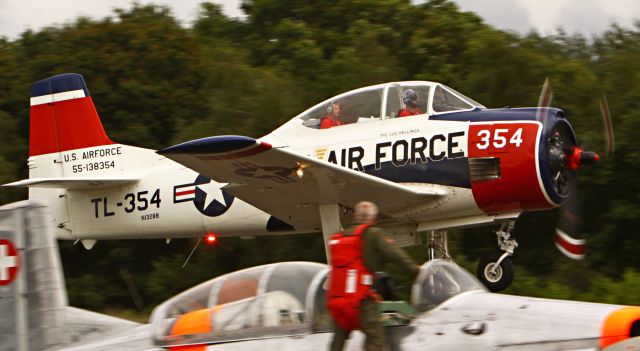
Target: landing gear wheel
{"points": [[498, 280]]}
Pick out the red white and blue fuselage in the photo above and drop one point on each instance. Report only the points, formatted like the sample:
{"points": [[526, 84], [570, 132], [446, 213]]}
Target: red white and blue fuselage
{"points": [[469, 165]]}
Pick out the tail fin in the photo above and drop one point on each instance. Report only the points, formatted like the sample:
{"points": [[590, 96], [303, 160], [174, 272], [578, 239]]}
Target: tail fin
{"points": [[34, 311], [33, 295], [63, 117], [69, 152]]}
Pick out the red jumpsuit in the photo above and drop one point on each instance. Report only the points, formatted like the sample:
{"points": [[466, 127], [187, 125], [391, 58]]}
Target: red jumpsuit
{"points": [[327, 122], [409, 112]]}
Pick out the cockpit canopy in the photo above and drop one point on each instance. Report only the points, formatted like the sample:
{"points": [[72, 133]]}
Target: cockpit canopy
{"points": [[287, 298], [389, 100], [276, 299], [440, 280]]}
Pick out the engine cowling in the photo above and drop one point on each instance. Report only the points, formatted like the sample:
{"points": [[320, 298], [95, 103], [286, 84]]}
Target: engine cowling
{"points": [[534, 162]]}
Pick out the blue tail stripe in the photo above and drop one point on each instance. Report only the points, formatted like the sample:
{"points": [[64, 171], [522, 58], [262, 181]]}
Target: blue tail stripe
{"points": [[59, 84]]}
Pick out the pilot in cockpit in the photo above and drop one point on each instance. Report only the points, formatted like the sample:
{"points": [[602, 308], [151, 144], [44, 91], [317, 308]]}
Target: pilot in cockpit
{"points": [[410, 100], [332, 118]]}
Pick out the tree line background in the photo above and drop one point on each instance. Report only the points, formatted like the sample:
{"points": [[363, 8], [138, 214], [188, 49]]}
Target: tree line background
{"points": [[157, 82]]}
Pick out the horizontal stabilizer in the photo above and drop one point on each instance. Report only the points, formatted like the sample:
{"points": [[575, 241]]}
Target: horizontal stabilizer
{"points": [[73, 183]]}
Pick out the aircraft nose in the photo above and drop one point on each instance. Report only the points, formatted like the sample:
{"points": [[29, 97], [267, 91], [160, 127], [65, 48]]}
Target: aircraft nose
{"points": [[620, 325], [579, 158]]}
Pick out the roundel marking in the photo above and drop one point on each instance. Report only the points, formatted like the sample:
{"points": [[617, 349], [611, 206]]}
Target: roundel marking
{"points": [[9, 262], [209, 199]]}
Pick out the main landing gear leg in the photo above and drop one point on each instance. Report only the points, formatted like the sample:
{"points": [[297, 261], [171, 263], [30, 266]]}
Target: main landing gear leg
{"points": [[496, 272], [330, 221]]}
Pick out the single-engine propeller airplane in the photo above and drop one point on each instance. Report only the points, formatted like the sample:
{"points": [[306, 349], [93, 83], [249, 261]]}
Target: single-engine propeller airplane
{"points": [[454, 163], [281, 307]]}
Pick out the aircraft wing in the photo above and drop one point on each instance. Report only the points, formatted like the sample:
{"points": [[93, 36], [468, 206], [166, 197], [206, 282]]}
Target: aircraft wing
{"points": [[266, 177]]}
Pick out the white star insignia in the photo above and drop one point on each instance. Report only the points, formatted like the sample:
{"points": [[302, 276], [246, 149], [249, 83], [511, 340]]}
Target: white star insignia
{"points": [[213, 191]]}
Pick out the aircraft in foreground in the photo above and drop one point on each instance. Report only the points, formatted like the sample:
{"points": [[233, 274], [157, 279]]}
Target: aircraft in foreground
{"points": [[454, 164], [281, 307]]}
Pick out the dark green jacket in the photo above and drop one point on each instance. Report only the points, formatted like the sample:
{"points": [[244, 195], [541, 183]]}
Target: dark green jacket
{"points": [[378, 251]]}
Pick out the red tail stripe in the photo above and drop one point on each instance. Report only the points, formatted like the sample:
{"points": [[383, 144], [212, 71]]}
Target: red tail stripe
{"points": [[65, 125]]}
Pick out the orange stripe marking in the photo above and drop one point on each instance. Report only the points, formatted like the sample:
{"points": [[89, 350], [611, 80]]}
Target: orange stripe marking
{"points": [[617, 325]]}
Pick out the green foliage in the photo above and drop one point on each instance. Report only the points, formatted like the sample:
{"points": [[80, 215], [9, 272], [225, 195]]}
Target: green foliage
{"points": [[156, 83]]}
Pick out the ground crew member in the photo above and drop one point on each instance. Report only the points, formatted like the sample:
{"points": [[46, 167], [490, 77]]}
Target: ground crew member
{"points": [[374, 252]]}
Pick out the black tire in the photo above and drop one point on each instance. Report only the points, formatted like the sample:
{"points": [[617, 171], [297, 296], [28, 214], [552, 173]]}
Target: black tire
{"points": [[504, 273]]}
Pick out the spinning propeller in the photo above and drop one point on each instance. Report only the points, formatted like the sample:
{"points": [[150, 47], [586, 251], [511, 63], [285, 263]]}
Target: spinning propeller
{"points": [[565, 158]]}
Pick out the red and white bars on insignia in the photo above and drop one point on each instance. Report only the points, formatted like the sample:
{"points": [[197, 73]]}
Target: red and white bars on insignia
{"points": [[182, 193]]}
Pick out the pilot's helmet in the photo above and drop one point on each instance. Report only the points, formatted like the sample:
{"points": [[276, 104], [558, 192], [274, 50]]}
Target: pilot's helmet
{"points": [[410, 98], [331, 108]]}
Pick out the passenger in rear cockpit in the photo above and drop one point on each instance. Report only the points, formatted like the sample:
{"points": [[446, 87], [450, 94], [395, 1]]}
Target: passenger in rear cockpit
{"points": [[332, 118], [410, 100]]}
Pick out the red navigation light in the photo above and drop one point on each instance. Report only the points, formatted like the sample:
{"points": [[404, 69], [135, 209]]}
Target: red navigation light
{"points": [[210, 238]]}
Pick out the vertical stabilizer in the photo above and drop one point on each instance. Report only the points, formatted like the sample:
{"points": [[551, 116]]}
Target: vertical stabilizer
{"points": [[63, 116], [72, 161], [33, 297], [34, 310]]}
